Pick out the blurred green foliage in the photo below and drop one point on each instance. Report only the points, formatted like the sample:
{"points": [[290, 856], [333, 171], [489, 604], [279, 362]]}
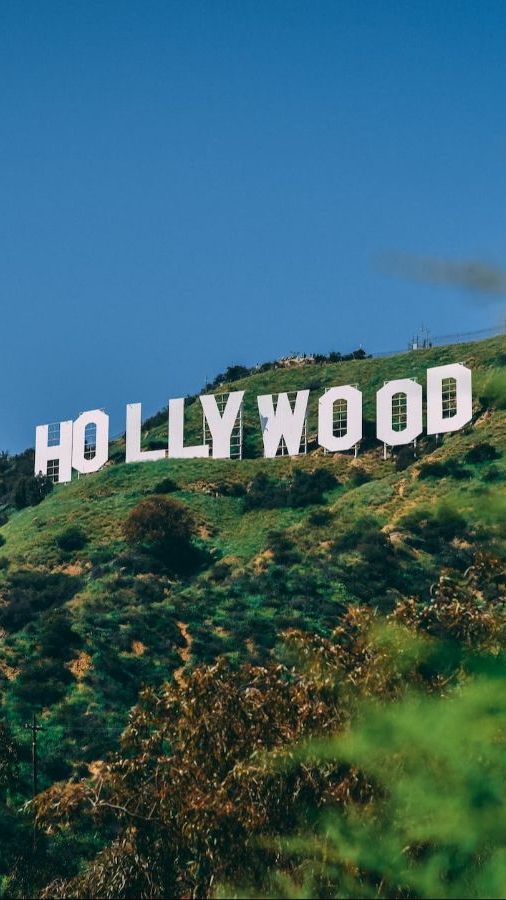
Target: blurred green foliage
{"points": [[435, 824]]}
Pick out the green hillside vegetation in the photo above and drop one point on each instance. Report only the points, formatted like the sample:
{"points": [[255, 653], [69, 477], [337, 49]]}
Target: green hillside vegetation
{"points": [[96, 606]]}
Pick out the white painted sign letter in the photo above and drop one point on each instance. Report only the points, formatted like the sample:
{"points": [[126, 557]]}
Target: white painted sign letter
{"points": [[133, 437], [89, 455], [177, 450], [282, 422], [399, 406], [449, 398], [351, 399], [221, 424], [53, 445]]}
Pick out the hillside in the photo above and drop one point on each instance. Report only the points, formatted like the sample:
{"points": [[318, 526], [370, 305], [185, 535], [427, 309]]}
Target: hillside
{"points": [[84, 629]]}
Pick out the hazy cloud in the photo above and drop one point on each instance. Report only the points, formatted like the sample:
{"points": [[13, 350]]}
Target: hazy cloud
{"points": [[473, 276]]}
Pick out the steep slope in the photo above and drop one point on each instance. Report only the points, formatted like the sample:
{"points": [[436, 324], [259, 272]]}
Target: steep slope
{"points": [[84, 629]]}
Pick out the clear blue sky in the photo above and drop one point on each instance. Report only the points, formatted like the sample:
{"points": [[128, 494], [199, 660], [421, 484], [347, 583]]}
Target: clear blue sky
{"points": [[186, 185]]}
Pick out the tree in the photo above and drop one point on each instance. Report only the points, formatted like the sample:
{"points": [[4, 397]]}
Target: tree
{"points": [[163, 528], [31, 490], [72, 539]]}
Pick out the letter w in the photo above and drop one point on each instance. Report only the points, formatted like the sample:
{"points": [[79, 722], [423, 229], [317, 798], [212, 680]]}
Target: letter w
{"points": [[282, 422]]}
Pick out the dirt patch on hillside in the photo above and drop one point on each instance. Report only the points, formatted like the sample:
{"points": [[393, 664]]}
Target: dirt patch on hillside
{"points": [[261, 561], [80, 666], [184, 652]]}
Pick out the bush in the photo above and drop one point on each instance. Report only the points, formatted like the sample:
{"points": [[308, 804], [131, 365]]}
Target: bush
{"points": [[404, 457], [31, 490], [431, 531], [73, 538], [41, 683], [55, 635], [359, 476], [230, 489], [283, 548], [155, 443], [165, 486], [493, 473], [29, 593], [232, 373], [264, 492], [449, 468], [307, 488], [319, 517], [358, 532], [482, 453], [303, 489], [162, 528]]}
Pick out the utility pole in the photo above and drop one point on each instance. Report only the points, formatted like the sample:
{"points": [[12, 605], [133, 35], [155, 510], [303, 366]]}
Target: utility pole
{"points": [[34, 728]]}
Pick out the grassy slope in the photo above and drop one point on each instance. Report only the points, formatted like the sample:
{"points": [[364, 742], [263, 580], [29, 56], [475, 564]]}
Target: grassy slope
{"points": [[132, 627]]}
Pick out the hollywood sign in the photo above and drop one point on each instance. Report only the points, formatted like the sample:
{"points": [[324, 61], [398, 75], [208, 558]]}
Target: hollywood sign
{"points": [[83, 445]]}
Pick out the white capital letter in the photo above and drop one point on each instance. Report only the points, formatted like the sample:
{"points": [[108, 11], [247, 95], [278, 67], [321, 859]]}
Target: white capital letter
{"points": [[410, 395], [90, 455], [221, 424], [133, 437], [352, 417], [456, 409], [283, 422], [177, 450], [54, 443]]}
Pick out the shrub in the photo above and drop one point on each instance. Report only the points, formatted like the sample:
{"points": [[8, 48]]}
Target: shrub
{"points": [[430, 531], [162, 528], [73, 538], [450, 468], [359, 476], [29, 593], [483, 452], [319, 517], [493, 473], [493, 393], [2, 540], [31, 490], [264, 492], [283, 548], [41, 683], [55, 635], [230, 489], [165, 486], [232, 373], [307, 488], [8, 759], [360, 531], [302, 489], [404, 457], [155, 443], [220, 571]]}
